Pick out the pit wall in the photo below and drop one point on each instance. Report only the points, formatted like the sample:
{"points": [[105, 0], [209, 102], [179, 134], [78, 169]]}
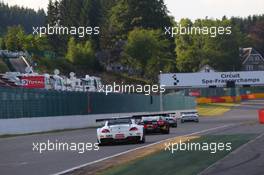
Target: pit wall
{"points": [[30, 110], [55, 123], [31, 103]]}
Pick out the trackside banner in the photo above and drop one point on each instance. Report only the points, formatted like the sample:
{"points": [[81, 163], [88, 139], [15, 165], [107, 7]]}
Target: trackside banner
{"points": [[33, 82], [204, 79]]}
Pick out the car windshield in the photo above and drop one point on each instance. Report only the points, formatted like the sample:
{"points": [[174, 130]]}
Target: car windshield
{"points": [[169, 118], [119, 121]]}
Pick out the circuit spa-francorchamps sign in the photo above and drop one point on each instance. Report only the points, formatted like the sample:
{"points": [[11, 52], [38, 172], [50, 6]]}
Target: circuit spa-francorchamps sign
{"points": [[218, 79]]}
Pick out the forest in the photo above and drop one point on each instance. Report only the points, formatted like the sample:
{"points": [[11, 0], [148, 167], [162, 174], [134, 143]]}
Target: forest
{"points": [[131, 35]]}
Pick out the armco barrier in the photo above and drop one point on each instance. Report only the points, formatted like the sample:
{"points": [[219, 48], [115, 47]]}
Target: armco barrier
{"points": [[28, 103], [225, 95]]}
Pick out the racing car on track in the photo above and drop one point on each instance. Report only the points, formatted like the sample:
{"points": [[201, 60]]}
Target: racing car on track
{"points": [[189, 116], [120, 130], [156, 124], [172, 121]]}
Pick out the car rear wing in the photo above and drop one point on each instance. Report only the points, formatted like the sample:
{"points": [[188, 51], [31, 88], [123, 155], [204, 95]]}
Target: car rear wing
{"points": [[152, 115], [112, 118], [190, 112]]}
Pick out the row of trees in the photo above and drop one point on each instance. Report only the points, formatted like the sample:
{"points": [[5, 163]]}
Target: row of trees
{"points": [[16, 39], [221, 52], [132, 33], [14, 15], [125, 27]]}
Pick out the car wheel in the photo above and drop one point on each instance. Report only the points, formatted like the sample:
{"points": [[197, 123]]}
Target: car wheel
{"points": [[167, 131], [143, 139], [99, 144]]}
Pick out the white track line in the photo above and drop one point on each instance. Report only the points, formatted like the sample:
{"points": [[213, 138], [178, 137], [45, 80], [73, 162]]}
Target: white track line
{"points": [[149, 145]]}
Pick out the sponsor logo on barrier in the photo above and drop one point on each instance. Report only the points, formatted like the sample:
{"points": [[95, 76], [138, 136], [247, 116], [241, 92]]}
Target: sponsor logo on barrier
{"points": [[33, 82]]}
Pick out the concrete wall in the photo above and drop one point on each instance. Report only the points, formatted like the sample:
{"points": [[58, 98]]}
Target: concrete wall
{"points": [[43, 124]]}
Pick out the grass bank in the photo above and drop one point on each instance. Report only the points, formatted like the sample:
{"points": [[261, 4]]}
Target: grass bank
{"points": [[180, 162]]}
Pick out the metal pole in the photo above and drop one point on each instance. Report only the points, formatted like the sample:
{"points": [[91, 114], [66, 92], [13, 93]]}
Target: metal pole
{"points": [[161, 99]]}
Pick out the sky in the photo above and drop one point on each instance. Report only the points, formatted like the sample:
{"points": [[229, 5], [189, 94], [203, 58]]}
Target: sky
{"points": [[192, 9]]}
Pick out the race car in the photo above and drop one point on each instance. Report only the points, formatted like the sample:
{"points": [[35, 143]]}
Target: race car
{"points": [[156, 124], [120, 130], [189, 116], [172, 121]]}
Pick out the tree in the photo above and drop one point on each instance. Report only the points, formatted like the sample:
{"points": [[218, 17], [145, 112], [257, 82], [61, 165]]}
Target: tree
{"points": [[149, 14], [52, 12], [2, 44], [72, 50], [81, 54], [196, 50], [128, 15], [188, 50], [14, 15], [14, 38], [148, 51], [256, 34]]}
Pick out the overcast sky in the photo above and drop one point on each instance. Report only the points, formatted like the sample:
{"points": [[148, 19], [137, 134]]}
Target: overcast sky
{"points": [[192, 9]]}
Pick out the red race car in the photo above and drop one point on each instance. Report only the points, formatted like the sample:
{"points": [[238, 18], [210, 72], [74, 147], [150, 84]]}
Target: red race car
{"points": [[155, 124]]}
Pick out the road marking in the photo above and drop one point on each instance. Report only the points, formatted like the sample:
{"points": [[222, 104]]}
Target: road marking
{"points": [[14, 164], [145, 146]]}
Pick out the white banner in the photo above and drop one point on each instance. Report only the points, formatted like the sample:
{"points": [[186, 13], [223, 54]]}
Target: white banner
{"points": [[204, 79]]}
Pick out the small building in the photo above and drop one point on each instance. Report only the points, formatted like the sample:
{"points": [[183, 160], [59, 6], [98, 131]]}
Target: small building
{"points": [[252, 60]]}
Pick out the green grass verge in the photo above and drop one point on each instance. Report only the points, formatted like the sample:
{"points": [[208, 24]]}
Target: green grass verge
{"points": [[181, 162]]}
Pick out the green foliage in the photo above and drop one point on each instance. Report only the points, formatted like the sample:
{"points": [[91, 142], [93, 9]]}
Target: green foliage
{"points": [[252, 29], [73, 13], [14, 38], [81, 54], [48, 65], [131, 33], [147, 51], [196, 50], [72, 50], [129, 14], [1, 43], [256, 36], [14, 15], [3, 66]]}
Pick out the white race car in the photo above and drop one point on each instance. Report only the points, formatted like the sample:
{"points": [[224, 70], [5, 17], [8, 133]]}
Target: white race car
{"points": [[189, 116], [120, 130]]}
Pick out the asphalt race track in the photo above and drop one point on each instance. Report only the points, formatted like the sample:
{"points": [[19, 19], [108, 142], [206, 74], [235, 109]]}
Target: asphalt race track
{"points": [[17, 157]]}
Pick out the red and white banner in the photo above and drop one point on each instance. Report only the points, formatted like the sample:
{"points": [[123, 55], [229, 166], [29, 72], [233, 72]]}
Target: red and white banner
{"points": [[33, 82], [195, 93]]}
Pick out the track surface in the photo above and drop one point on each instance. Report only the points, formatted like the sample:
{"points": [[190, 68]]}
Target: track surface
{"points": [[17, 157]]}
